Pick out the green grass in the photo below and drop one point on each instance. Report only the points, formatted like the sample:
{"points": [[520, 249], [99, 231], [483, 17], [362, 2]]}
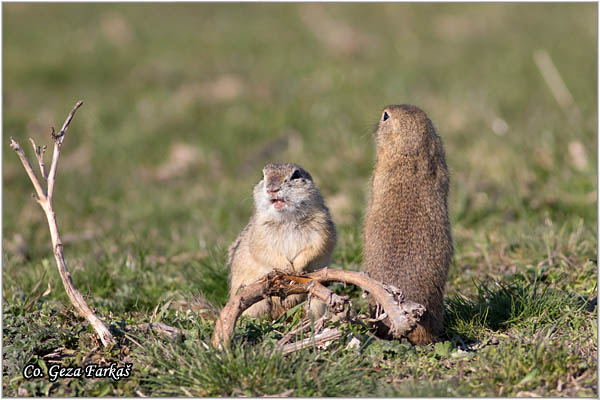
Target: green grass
{"points": [[185, 103]]}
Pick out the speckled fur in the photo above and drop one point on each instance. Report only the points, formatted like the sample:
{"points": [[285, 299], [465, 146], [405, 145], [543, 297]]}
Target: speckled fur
{"points": [[298, 237], [407, 236]]}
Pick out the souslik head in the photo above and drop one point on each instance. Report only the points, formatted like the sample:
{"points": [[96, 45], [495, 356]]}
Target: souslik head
{"points": [[403, 129], [286, 191]]}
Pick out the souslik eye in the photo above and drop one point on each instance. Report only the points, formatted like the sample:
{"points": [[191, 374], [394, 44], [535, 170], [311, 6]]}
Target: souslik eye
{"points": [[385, 116], [296, 175]]}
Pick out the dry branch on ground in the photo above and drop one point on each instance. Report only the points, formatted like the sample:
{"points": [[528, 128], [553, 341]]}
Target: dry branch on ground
{"points": [[402, 314], [44, 199]]}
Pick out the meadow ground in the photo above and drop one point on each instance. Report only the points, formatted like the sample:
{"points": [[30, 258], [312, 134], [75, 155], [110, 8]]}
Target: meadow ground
{"points": [[184, 104]]}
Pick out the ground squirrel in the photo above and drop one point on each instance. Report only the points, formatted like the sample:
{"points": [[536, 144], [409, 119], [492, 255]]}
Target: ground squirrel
{"points": [[407, 238], [291, 230]]}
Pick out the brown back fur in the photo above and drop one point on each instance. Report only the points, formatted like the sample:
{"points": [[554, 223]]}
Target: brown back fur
{"points": [[407, 236]]}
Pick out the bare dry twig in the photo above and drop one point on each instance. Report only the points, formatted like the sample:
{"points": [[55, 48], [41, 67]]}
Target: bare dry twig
{"points": [[402, 314], [44, 199], [58, 139], [158, 327], [304, 326], [39, 154], [319, 339]]}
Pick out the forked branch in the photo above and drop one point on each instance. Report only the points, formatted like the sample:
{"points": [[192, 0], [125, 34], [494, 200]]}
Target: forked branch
{"points": [[58, 139], [44, 199], [39, 154], [403, 315]]}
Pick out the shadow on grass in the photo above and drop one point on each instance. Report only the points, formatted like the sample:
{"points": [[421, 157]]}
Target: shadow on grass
{"points": [[499, 306]]}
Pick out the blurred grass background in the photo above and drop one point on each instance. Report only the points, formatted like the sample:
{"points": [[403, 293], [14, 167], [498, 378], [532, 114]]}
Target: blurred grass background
{"points": [[184, 104]]}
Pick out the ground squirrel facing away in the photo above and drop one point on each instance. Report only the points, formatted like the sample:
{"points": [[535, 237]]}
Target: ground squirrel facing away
{"points": [[407, 238], [291, 230]]}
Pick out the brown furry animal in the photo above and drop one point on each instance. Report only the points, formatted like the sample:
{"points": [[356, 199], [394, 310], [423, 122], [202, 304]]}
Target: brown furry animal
{"points": [[291, 230], [407, 237]]}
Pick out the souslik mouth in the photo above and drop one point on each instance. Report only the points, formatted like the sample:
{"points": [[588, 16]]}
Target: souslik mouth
{"points": [[278, 203]]}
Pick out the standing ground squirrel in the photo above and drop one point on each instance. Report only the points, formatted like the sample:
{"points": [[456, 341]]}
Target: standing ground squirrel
{"points": [[291, 230], [407, 237]]}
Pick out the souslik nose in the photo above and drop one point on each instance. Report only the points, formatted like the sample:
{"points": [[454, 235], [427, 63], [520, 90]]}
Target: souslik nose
{"points": [[272, 187]]}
